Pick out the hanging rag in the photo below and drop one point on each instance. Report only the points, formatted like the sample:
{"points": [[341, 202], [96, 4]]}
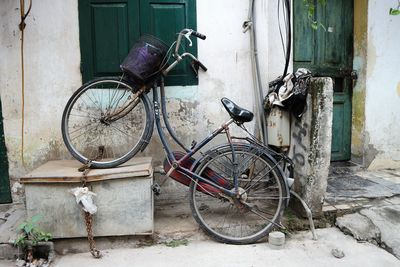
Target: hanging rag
{"points": [[84, 198], [289, 93]]}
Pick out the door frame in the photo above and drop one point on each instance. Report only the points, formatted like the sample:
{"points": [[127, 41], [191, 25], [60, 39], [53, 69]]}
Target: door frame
{"points": [[5, 192], [314, 59]]}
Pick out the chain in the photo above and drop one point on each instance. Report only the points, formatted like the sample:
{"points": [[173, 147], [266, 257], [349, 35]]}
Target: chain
{"points": [[89, 226], [87, 216], [85, 169]]}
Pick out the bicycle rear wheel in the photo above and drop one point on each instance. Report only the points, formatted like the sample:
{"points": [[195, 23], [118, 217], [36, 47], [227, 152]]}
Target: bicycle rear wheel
{"points": [[106, 122], [263, 195]]}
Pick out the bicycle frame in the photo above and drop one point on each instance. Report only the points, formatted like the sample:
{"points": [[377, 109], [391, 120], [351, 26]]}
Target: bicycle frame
{"points": [[276, 157], [176, 164]]}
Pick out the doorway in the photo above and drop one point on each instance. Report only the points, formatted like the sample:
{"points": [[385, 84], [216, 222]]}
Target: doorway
{"points": [[328, 51], [5, 194]]}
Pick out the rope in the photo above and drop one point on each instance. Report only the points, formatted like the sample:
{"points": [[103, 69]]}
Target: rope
{"points": [[21, 28]]}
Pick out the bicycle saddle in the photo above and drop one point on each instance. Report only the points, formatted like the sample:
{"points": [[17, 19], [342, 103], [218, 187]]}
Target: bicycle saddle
{"points": [[237, 113]]}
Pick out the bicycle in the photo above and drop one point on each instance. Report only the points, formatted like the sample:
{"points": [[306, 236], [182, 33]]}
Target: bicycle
{"points": [[238, 190]]}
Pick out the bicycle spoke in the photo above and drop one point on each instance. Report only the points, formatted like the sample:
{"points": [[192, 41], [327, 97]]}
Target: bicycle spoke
{"points": [[117, 102], [120, 130], [82, 116], [265, 218], [83, 127], [88, 130], [96, 99], [93, 101], [263, 198], [249, 187]]}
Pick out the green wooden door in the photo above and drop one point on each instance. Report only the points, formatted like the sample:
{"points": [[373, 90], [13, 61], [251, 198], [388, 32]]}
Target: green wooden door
{"points": [[329, 53], [108, 29], [5, 195], [164, 19]]}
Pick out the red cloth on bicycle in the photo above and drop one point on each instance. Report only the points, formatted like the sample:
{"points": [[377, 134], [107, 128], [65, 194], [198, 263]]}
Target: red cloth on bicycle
{"points": [[207, 173]]}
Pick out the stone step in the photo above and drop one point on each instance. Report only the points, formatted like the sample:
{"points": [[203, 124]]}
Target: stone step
{"points": [[10, 220], [378, 225]]}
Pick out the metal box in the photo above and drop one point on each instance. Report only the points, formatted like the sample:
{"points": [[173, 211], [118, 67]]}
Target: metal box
{"points": [[278, 124], [123, 197]]}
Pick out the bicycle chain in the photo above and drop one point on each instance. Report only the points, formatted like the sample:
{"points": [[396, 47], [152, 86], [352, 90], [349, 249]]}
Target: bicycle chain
{"points": [[89, 217]]}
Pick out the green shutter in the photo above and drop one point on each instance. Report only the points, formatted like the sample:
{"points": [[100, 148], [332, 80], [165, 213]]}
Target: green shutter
{"points": [[5, 196], [108, 29], [164, 19]]}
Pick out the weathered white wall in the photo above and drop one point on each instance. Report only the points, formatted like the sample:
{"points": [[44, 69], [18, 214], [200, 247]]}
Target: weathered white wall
{"points": [[382, 105], [52, 58]]}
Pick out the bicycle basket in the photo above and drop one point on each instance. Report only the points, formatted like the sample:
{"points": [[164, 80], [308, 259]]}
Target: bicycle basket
{"points": [[144, 59]]}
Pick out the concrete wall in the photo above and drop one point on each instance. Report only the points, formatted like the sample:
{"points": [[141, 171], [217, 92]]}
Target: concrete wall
{"points": [[52, 61], [382, 100]]}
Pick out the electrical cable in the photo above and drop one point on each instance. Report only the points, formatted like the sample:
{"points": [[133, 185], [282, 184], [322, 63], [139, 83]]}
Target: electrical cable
{"points": [[280, 30], [286, 46], [22, 28], [288, 36]]}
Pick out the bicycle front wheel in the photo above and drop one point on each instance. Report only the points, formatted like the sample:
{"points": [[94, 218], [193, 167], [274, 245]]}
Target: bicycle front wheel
{"points": [[106, 122], [262, 190]]}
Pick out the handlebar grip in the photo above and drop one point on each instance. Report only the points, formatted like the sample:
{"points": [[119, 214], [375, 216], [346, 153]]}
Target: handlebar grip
{"points": [[204, 68], [199, 35]]}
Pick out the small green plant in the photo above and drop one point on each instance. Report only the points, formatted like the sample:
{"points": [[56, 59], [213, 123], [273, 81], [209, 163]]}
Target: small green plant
{"points": [[310, 9], [394, 11], [29, 232]]}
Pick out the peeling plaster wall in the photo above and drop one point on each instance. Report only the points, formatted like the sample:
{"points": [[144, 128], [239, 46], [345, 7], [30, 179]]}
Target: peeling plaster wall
{"points": [[52, 69], [52, 59], [382, 100], [360, 66]]}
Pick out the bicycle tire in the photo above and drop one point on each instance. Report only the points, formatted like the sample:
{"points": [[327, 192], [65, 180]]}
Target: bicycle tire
{"points": [[88, 135], [208, 209]]}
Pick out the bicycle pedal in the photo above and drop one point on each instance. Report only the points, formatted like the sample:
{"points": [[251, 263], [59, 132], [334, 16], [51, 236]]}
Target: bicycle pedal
{"points": [[156, 189]]}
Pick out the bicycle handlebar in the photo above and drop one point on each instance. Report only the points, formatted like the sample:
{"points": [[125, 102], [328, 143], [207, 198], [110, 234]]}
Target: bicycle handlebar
{"points": [[204, 68], [199, 35], [185, 33]]}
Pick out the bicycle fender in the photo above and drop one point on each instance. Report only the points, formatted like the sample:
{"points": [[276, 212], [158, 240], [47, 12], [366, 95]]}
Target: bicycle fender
{"points": [[147, 138], [150, 124]]}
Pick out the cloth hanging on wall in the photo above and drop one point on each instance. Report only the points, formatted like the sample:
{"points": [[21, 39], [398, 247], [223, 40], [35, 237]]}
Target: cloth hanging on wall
{"points": [[289, 93]]}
